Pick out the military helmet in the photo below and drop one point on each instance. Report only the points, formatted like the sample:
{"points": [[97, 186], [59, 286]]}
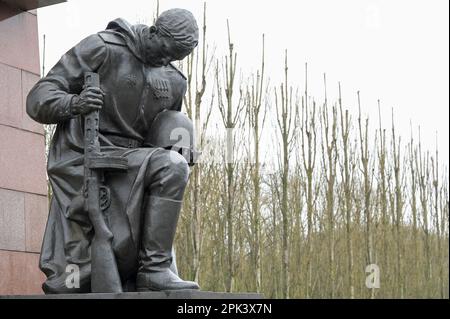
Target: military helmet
{"points": [[173, 130]]}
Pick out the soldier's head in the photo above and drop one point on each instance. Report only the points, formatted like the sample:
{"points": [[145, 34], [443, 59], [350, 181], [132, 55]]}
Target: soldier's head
{"points": [[173, 37]]}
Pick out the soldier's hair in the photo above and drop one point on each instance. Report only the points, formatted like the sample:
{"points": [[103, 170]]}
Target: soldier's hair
{"points": [[180, 25]]}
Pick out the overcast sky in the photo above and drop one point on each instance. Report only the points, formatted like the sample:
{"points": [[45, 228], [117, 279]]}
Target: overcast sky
{"points": [[396, 51]]}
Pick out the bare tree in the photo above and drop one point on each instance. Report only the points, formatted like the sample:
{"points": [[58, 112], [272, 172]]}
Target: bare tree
{"points": [[382, 193], [230, 112], [254, 108], [193, 101], [329, 162], [309, 152], [346, 174], [423, 169], [285, 119], [368, 180], [398, 210]]}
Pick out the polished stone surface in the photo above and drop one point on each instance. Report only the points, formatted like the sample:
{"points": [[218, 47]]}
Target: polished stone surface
{"points": [[31, 4], [22, 220], [19, 46], [22, 161], [23, 187], [19, 273]]}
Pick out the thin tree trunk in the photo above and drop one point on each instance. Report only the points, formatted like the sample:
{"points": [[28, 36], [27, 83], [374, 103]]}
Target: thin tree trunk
{"points": [[398, 212], [329, 166], [364, 149], [345, 171]]}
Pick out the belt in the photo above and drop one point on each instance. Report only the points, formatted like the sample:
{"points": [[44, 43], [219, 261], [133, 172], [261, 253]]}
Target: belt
{"points": [[123, 141]]}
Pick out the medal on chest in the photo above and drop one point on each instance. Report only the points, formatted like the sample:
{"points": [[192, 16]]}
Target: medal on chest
{"points": [[160, 88]]}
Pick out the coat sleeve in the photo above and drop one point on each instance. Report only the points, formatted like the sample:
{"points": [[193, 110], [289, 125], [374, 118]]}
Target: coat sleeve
{"points": [[50, 99], [178, 103]]}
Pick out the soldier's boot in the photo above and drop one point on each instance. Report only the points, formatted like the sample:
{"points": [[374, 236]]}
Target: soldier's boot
{"points": [[155, 255]]}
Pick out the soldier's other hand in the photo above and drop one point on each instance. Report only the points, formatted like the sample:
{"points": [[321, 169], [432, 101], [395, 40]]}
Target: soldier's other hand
{"points": [[90, 99]]}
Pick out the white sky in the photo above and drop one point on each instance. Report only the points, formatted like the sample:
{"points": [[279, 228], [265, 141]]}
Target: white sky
{"points": [[396, 51]]}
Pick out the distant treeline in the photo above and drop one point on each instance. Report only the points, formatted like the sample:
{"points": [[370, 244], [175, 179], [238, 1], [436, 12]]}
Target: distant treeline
{"points": [[341, 196]]}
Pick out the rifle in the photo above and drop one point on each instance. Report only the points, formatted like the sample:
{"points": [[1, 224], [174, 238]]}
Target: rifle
{"points": [[104, 273]]}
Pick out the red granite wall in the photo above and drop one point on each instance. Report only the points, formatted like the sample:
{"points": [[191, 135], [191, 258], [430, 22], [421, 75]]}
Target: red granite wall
{"points": [[23, 200]]}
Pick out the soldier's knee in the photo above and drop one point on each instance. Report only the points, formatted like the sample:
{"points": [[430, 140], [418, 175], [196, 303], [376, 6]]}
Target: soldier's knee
{"points": [[170, 174], [177, 167]]}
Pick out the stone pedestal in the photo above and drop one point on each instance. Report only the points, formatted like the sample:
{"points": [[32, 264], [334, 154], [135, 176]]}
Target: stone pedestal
{"points": [[173, 294], [23, 188]]}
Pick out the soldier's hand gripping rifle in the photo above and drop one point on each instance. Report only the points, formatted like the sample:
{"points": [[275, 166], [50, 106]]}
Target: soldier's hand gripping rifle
{"points": [[104, 273]]}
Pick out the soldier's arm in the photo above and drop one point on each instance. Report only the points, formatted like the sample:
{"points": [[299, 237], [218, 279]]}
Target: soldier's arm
{"points": [[179, 100], [50, 100], [180, 89]]}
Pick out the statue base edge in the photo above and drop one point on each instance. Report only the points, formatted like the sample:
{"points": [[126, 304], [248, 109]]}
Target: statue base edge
{"points": [[167, 294]]}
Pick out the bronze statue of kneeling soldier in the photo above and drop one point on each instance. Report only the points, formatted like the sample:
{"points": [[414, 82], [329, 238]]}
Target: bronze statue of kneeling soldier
{"points": [[117, 188]]}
